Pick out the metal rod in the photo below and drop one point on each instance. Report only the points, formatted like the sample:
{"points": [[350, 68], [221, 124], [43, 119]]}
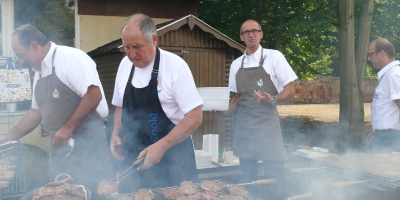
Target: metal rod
{"points": [[301, 196], [305, 169], [346, 183], [128, 171]]}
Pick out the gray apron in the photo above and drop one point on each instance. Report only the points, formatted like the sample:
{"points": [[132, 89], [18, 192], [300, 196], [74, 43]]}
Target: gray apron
{"points": [[90, 160], [258, 133]]}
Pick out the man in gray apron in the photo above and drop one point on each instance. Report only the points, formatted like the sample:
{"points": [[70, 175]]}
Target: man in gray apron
{"points": [[68, 98], [157, 109], [259, 78]]}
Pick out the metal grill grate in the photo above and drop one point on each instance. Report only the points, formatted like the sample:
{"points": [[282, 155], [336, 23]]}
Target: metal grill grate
{"points": [[159, 192], [17, 185]]}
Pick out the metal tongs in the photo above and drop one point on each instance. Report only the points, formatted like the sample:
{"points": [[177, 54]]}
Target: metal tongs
{"points": [[128, 171]]}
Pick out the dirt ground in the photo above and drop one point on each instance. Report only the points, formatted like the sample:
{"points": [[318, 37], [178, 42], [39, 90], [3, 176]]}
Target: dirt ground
{"points": [[315, 125]]}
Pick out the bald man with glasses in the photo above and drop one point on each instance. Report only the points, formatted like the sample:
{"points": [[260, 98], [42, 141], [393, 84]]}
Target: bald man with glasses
{"points": [[385, 113], [260, 79]]}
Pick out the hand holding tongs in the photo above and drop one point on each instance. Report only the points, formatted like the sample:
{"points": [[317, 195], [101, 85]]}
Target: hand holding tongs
{"points": [[128, 171]]}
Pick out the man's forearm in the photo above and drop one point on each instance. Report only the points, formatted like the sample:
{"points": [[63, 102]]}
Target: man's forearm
{"points": [[287, 92], [27, 124], [117, 121]]}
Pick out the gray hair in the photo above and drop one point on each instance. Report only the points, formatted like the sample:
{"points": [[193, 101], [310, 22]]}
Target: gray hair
{"points": [[146, 25], [28, 33]]}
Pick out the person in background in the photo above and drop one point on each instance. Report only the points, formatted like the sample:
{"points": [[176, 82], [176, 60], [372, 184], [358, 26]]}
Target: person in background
{"points": [[157, 110], [259, 79], [385, 113], [69, 99]]}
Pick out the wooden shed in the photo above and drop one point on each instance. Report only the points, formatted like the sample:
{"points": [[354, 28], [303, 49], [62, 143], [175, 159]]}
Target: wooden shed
{"points": [[208, 53]]}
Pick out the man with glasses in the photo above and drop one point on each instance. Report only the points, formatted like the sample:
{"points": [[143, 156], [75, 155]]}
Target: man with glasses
{"points": [[260, 79], [69, 99], [385, 114]]}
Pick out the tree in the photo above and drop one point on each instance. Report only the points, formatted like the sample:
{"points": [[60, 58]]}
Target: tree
{"points": [[53, 17], [304, 31], [352, 66]]}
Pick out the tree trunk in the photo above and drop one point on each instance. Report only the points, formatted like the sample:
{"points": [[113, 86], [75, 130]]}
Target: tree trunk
{"points": [[351, 116], [362, 42]]}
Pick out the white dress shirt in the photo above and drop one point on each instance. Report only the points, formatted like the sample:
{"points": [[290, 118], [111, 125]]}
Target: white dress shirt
{"points": [[75, 69], [274, 64], [385, 113]]}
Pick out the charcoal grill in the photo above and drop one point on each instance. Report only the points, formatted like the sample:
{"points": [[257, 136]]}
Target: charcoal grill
{"points": [[377, 176], [17, 185], [159, 192]]}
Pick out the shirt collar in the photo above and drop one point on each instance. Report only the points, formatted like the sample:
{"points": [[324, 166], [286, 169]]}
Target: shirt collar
{"points": [[387, 68], [47, 62], [256, 55]]}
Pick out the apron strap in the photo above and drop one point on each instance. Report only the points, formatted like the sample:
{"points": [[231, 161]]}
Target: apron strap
{"points": [[261, 59], [154, 73], [52, 63]]}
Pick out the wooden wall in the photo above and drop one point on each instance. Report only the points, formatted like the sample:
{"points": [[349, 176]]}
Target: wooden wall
{"points": [[153, 8]]}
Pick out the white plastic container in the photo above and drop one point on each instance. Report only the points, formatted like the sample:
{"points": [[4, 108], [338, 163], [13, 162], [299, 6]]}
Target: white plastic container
{"points": [[215, 98], [203, 158]]}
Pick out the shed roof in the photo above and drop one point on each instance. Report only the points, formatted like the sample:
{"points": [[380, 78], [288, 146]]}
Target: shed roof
{"points": [[116, 45]]}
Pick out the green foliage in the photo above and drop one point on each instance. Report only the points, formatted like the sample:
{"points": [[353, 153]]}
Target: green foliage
{"points": [[305, 31], [52, 17]]}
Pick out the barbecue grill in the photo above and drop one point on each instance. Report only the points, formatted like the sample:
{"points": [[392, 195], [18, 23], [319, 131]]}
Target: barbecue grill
{"points": [[354, 176], [159, 192], [17, 185]]}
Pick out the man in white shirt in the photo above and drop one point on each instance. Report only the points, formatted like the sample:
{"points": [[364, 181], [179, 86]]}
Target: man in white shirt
{"points": [[157, 109], [69, 99], [385, 115], [260, 79]]}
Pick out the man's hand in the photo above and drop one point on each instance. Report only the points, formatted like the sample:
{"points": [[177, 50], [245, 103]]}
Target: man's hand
{"points": [[153, 154], [115, 147], [61, 137], [370, 136], [263, 97], [217, 112]]}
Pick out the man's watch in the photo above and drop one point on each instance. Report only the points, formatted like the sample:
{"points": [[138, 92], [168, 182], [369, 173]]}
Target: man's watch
{"points": [[274, 101]]}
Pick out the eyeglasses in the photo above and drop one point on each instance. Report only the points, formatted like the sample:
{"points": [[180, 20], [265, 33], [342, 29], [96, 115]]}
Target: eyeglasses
{"points": [[372, 53], [247, 32], [20, 55]]}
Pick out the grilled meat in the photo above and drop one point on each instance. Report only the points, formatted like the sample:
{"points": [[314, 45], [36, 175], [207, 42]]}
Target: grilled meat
{"points": [[61, 197], [237, 190], [209, 195], [125, 197], [60, 182], [7, 167], [230, 197], [172, 193], [106, 188], [144, 194], [60, 190], [7, 175], [187, 187], [51, 191], [4, 184], [211, 186], [196, 196]]}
